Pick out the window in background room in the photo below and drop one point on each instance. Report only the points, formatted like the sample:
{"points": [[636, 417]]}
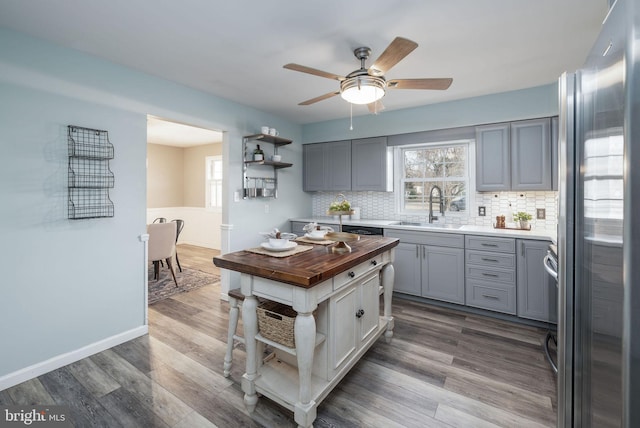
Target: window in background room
{"points": [[214, 181], [425, 166]]}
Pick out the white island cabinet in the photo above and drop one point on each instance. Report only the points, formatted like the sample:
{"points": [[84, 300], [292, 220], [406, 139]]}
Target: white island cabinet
{"points": [[337, 300]]}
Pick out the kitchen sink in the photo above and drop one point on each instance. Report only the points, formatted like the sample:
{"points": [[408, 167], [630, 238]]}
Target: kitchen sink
{"points": [[427, 225]]}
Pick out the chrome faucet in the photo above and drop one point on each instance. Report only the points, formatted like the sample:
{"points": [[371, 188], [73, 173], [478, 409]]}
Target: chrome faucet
{"points": [[431, 216]]}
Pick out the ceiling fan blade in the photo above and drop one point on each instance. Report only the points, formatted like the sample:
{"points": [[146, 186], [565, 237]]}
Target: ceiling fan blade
{"points": [[393, 54], [315, 72], [434, 84], [320, 98], [375, 107]]}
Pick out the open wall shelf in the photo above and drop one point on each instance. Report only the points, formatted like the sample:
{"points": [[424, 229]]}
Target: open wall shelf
{"points": [[89, 175], [261, 186]]}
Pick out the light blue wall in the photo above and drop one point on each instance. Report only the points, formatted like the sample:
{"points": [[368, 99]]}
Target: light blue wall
{"points": [[69, 284], [529, 103]]}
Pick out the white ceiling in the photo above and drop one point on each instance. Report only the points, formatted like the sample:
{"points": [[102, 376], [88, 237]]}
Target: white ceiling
{"points": [[175, 134], [236, 49]]}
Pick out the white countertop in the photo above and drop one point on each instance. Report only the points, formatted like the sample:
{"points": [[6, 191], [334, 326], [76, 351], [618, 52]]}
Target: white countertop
{"points": [[534, 233]]}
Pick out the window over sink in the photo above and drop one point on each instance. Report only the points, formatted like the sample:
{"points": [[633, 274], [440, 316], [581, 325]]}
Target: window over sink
{"points": [[423, 170]]}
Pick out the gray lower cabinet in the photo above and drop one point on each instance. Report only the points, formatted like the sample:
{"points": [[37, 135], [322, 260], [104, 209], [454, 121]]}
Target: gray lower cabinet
{"points": [[490, 273], [429, 265], [327, 166], [537, 293], [514, 156]]}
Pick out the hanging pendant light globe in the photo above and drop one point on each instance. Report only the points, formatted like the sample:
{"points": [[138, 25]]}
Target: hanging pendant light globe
{"points": [[362, 88]]}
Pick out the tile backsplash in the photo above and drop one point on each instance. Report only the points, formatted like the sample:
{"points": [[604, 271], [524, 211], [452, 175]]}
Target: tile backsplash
{"points": [[381, 206]]}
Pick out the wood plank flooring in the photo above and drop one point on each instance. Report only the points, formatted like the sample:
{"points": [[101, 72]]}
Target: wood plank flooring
{"points": [[443, 368]]}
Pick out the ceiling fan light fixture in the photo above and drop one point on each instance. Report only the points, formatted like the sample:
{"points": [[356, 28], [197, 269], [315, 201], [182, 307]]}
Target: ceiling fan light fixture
{"points": [[362, 89]]}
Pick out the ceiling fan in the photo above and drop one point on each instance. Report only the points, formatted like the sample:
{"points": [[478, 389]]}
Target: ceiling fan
{"points": [[367, 86]]}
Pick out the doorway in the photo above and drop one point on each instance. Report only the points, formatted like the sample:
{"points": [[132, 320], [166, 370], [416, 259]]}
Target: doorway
{"points": [[180, 181]]}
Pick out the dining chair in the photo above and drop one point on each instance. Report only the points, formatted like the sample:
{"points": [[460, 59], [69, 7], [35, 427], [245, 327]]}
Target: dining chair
{"points": [[180, 225], [160, 220], [162, 246]]}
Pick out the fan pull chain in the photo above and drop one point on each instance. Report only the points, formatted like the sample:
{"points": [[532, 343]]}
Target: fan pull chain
{"points": [[351, 116]]}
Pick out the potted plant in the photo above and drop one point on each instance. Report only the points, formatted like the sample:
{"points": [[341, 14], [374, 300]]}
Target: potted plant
{"points": [[523, 218]]}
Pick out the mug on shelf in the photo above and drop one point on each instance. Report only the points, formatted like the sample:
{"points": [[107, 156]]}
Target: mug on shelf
{"points": [[272, 131], [265, 130]]}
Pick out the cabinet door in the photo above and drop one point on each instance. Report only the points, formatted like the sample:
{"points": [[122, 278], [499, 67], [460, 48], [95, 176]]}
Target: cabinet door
{"points": [[531, 155], [338, 165], [407, 269], [443, 273], [536, 290], [493, 158], [369, 164], [343, 344], [314, 168], [370, 306]]}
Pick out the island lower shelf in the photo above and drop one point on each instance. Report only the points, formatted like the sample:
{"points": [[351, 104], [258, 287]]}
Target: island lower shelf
{"points": [[279, 380]]}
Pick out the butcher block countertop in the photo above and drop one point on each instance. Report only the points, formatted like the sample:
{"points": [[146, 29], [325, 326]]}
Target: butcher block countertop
{"points": [[308, 268]]}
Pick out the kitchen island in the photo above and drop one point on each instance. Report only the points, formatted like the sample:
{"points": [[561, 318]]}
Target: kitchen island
{"points": [[337, 300]]}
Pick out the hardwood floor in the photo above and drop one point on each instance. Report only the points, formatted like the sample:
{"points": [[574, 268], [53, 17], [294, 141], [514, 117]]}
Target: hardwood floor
{"points": [[443, 368]]}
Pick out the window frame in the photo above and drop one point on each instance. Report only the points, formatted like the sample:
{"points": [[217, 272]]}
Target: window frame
{"points": [[209, 181], [400, 180]]}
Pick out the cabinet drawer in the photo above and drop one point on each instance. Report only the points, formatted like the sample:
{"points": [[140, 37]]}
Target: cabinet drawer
{"points": [[437, 239], [500, 245], [491, 260], [503, 275], [493, 296], [343, 278]]}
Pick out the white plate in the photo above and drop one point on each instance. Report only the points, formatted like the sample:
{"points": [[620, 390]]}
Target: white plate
{"points": [[314, 238], [290, 245]]}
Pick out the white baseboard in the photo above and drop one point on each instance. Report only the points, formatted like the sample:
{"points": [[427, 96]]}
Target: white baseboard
{"points": [[62, 360]]}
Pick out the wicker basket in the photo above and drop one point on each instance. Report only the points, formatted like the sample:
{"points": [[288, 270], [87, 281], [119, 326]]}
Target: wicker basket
{"points": [[275, 322]]}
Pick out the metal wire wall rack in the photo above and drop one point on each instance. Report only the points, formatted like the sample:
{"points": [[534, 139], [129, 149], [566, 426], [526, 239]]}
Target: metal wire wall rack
{"points": [[89, 175]]}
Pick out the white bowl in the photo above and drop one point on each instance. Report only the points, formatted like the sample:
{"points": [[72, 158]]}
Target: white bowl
{"points": [[278, 243], [317, 233], [276, 158]]}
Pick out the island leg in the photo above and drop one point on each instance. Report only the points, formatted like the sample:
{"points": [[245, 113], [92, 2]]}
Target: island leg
{"points": [[233, 325], [305, 336], [250, 324], [387, 278]]}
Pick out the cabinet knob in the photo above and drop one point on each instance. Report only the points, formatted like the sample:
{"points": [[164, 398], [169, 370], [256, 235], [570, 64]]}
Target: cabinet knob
{"points": [[374, 262], [351, 274], [360, 313]]}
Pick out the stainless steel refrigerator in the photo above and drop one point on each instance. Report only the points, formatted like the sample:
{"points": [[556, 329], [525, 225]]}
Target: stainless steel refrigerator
{"points": [[599, 230]]}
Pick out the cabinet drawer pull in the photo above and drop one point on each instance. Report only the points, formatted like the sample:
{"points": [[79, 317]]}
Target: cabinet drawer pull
{"points": [[484, 259], [493, 275], [489, 296], [360, 313], [351, 274], [484, 244], [374, 262]]}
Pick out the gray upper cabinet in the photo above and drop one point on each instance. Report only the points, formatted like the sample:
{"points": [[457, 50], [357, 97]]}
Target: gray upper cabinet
{"points": [[369, 164], [531, 154], [536, 290], [493, 158], [514, 156], [327, 166]]}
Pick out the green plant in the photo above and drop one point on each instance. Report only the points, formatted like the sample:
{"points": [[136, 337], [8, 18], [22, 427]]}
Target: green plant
{"points": [[521, 215]]}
